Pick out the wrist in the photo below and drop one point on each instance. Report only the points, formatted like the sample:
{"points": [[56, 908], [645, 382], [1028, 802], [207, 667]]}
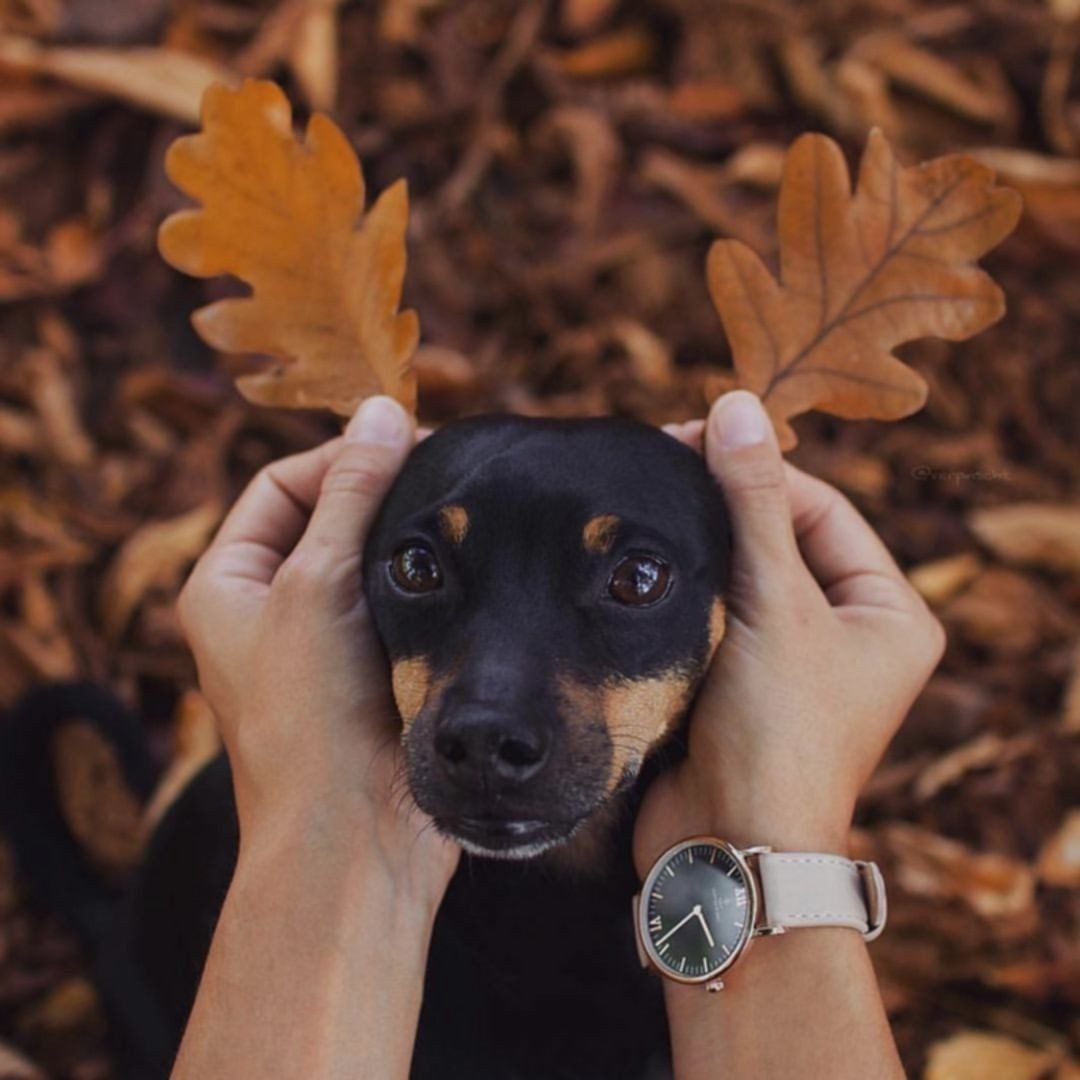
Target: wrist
{"points": [[751, 815], [759, 824], [359, 857]]}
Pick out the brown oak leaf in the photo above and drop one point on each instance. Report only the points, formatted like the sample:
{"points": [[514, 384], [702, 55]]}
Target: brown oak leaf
{"points": [[282, 214], [860, 273]]}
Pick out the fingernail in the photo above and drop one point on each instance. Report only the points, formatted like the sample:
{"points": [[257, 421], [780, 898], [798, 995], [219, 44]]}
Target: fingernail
{"points": [[378, 420], [739, 420]]}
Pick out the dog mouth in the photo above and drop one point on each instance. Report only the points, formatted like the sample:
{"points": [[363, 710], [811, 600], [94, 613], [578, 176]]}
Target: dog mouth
{"points": [[504, 838]]}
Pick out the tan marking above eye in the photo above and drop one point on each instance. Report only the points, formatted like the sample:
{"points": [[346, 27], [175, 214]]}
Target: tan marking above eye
{"points": [[454, 523], [599, 533]]}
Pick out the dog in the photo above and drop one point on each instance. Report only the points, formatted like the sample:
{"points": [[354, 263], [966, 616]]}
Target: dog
{"points": [[549, 594]]}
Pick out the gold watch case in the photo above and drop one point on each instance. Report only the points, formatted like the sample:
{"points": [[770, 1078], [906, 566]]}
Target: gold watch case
{"points": [[647, 953]]}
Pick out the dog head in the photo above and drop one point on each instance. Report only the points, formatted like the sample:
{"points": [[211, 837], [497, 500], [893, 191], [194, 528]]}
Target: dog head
{"points": [[549, 594]]}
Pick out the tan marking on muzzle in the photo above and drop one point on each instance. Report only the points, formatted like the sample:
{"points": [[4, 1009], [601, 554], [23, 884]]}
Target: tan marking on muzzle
{"points": [[717, 627], [599, 533], [454, 523], [640, 713], [411, 681]]}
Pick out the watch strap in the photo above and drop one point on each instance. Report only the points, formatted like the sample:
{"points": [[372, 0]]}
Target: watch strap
{"points": [[810, 889]]}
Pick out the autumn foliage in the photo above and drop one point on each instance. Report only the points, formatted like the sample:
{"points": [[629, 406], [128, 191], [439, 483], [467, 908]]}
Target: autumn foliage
{"points": [[569, 167], [860, 274], [282, 215]]}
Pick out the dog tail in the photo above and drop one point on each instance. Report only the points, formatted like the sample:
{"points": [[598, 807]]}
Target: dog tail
{"points": [[58, 867]]}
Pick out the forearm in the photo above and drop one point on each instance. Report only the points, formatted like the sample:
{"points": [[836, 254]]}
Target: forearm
{"points": [[316, 969], [803, 1004]]}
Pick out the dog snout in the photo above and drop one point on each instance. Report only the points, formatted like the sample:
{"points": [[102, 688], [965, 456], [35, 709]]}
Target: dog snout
{"points": [[483, 749]]}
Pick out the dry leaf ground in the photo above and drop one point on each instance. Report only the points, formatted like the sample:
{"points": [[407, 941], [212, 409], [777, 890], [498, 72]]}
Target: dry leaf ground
{"points": [[569, 165]]}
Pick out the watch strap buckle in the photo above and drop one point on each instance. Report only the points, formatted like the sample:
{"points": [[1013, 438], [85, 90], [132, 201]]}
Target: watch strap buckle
{"points": [[877, 907]]}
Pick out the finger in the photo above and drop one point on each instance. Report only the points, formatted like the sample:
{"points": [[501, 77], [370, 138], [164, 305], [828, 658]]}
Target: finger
{"points": [[841, 550], [233, 575], [274, 508], [743, 456], [377, 440]]}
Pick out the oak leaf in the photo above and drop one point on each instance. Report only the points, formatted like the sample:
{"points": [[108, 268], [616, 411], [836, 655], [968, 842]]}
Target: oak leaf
{"points": [[977, 1055], [860, 273], [281, 214]]}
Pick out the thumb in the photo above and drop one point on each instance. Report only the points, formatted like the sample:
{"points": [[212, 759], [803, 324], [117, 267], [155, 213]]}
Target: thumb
{"points": [[744, 458], [377, 441]]}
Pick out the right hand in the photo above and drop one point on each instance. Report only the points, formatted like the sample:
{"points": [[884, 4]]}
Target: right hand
{"points": [[290, 663], [826, 648]]}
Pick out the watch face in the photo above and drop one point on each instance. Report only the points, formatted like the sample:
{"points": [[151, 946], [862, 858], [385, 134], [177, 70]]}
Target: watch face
{"points": [[697, 910]]}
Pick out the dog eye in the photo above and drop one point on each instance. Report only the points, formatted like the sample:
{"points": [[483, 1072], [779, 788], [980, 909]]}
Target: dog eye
{"points": [[639, 580], [415, 569]]}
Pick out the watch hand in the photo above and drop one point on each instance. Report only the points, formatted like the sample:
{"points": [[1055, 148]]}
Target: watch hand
{"points": [[679, 925], [705, 927]]}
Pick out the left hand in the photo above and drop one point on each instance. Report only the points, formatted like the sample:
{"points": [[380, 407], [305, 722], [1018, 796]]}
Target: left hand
{"points": [[827, 646]]}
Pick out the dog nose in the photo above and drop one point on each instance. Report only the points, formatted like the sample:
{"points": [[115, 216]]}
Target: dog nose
{"points": [[474, 747]]}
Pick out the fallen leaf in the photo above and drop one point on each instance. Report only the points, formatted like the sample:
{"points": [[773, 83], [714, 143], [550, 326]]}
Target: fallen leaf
{"points": [[445, 373], [1007, 613], [72, 254], [618, 53], [401, 21], [13, 1066], [39, 636], [578, 17], [52, 396], [596, 153], [859, 275], [925, 73], [942, 579], [1059, 859], [704, 189], [69, 256], [985, 751], [155, 555], [70, 1007], [281, 215], [811, 81], [164, 81], [928, 865], [1070, 720], [1046, 535], [757, 164], [986, 1055], [313, 57], [649, 356], [707, 99]]}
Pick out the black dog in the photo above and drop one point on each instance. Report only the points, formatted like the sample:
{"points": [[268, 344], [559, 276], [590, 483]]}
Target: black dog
{"points": [[549, 594]]}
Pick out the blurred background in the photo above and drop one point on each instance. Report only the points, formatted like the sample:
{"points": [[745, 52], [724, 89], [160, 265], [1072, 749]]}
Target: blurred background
{"points": [[569, 163]]}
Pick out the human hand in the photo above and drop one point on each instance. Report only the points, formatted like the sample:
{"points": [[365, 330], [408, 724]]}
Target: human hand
{"points": [[826, 648], [289, 660]]}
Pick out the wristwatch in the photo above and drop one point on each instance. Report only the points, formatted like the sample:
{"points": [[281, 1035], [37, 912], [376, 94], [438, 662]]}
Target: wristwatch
{"points": [[705, 900]]}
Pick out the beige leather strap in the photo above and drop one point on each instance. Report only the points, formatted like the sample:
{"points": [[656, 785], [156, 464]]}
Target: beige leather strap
{"points": [[801, 888]]}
